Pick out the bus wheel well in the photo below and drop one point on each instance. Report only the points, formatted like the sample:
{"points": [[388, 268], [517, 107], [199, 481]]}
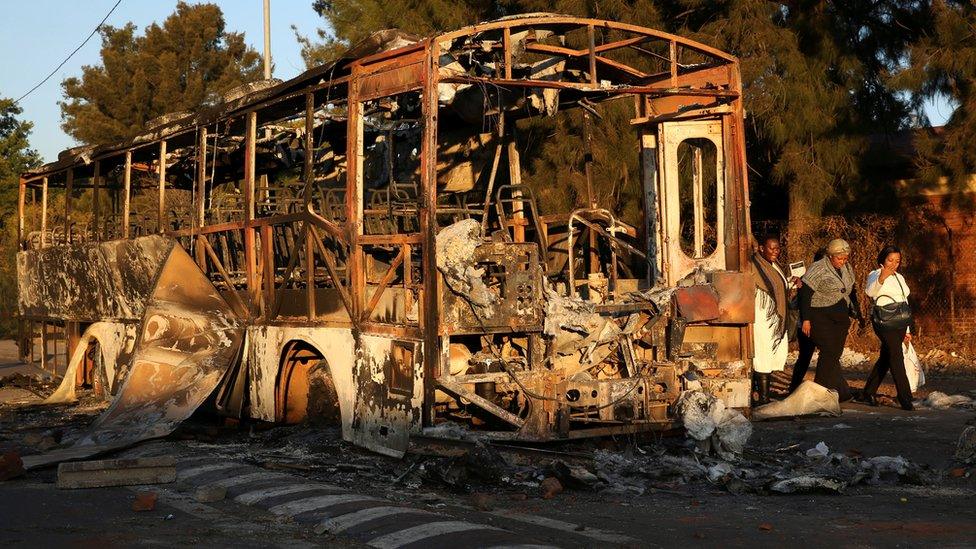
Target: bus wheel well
{"points": [[304, 389]]}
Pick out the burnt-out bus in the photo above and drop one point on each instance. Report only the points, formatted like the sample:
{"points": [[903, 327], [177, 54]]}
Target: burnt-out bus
{"points": [[361, 244]]}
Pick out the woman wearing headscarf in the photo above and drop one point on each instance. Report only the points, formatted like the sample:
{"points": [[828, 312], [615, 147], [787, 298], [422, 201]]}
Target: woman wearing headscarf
{"points": [[828, 301], [891, 321], [770, 341]]}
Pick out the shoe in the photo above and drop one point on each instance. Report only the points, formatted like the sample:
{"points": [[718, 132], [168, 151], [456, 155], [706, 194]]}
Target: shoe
{"points": [[764, 388], [908, 407], [870, 400]]}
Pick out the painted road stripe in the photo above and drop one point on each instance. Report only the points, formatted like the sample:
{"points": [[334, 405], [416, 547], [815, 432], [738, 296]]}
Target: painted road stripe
{"points": [[424, 531], [349, 520], [261, 494], [250, 477], [201, 469], [545, 522], [315, 503]]}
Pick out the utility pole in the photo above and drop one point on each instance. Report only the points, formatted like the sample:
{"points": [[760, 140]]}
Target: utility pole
{"points": [[267, 39]]}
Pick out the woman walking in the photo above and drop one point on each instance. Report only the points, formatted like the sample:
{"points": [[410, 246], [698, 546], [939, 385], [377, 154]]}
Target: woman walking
{"points": [[891, 319], [828, 301]]}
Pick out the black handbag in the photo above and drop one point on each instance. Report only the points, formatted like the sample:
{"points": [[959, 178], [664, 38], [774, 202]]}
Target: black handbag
{"points": [[896, 315]]}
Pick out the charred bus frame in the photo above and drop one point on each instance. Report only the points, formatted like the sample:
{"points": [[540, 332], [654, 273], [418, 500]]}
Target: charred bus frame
{"points": [[337, 215]]}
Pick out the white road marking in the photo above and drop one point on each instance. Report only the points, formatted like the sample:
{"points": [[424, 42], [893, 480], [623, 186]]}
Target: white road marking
{"points": [[201, 469], [424, 531], [349, 520], [314, 503], [593, 533], [223, 521], [250, 477], [261, 494]]}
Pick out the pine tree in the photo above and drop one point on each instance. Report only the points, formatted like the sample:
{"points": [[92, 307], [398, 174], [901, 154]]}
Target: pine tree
{"points": [[16, 157], [943, 63], [185, 63]]}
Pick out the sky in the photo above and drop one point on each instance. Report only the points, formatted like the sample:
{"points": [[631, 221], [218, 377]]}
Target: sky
{"points": [[36, 35]]}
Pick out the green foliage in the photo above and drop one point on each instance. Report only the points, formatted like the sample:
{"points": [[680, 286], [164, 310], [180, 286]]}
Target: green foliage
{"points": [[943, 63], [183, 64], [16, 157]]}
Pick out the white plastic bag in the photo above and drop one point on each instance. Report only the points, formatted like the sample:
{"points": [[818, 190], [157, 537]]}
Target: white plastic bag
{"points": [[913, 367]]}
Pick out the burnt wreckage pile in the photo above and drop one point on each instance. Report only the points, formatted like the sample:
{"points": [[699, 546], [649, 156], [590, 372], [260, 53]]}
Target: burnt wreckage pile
{"points": [[358, 245]]}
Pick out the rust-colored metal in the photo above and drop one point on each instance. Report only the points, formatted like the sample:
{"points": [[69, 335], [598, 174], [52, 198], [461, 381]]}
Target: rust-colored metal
{"points": [[382, 151]]}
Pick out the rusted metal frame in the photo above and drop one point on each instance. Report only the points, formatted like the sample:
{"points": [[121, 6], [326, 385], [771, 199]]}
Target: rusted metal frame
{"points": [[309, 164], [250, 251], [96, 199], [335, 231], [660, 91], [161, 212], [430, 298], [397, 52], [127, 189], [384, 283], [673, 54], [391, 239], [69, 188], [309, 274], [459, 391], [591, 40], [254, 107], [515, 178], [569, 52], [550, 21], [392, 330], [290, 270], [354, 195], [267, 270], [333, 272], [239, 307], [199, 204], [494, 171], [407, 277], [507, 51], [21, 196], [282, 219], [613, 238], [588, 171], [43, 212]]}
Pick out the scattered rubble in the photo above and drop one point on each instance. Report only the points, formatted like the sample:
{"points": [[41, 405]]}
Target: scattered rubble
{"points": [[456, 245], [144, 501], [809, 398], [966, 447], [116, 472], [942, 401], [718, 429], [11, 466], [210, 493], [550, 487], [806, 485]]}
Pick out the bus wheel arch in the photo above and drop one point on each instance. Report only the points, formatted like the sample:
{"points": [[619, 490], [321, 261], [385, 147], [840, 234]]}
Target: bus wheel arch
{"points": [[304, 387]]}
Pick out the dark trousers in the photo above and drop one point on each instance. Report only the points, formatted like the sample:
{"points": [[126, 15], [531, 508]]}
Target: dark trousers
{"points": [[890, 358], [807, 347], [829, 333]]}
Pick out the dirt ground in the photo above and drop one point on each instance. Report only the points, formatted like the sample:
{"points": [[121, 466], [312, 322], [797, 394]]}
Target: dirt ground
{"points": [[651, 490]]}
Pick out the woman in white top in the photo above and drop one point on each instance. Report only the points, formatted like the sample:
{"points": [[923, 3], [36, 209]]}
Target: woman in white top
{"points": [[885, 285]]}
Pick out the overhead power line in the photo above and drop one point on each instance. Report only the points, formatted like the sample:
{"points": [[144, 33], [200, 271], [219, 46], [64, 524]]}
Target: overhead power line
{"points": [[70, 55]]}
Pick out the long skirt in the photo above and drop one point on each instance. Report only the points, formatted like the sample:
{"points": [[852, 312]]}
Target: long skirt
{"points": [[770, 350]]}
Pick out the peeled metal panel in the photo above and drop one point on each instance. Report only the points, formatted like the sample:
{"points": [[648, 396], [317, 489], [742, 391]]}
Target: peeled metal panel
{"points": [[188, 339], [94, 282]]}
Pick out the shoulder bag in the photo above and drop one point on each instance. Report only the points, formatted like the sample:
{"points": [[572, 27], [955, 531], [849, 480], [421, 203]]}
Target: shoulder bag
{"points": [[896, 315]]}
